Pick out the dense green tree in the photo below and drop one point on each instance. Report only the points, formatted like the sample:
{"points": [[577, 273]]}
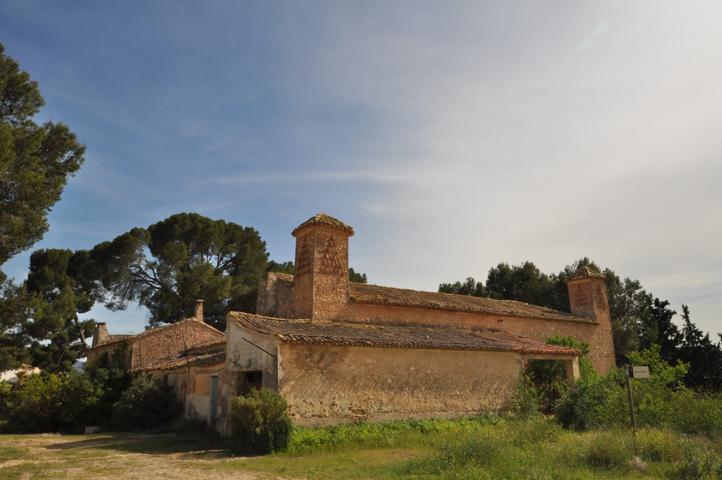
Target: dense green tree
{"points": [[288, 267], [356, 277], [185, 257], [468, 287], [14, 314], [524, 283], [53, 334], [35, 160], [284, 267], [702, 354]]}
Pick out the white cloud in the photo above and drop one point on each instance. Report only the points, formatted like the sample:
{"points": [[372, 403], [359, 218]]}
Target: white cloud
{"points": [[544, 154]]}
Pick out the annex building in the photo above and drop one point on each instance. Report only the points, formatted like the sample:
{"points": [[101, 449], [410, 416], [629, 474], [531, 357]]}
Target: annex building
{"points": [[340, 351]]}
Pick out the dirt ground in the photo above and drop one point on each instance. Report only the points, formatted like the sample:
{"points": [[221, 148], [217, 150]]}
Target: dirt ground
{"points": [[125, 456]]}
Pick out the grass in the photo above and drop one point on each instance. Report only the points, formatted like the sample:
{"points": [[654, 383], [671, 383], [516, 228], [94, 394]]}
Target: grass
{"points": [[483, 448]]}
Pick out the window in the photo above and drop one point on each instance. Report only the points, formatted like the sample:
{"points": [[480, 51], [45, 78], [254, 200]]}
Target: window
{"points": [[249, 380]]}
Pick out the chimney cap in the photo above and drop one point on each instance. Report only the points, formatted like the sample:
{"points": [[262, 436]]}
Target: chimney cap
{"points": [[326, 220], [584, 272]]}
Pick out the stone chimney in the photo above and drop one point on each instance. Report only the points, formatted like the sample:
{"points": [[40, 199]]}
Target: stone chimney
{"points": [[588, 298], [101, 334], [199, 310], [320, 283]]}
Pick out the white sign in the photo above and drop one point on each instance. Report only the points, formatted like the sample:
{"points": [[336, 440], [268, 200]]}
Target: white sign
{"points": [[640, 372]]}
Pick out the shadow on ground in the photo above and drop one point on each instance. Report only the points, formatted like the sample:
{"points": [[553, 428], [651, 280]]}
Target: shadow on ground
{"points": [[192, 446]]}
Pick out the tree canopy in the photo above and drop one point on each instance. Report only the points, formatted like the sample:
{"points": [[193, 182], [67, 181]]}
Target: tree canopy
{"points": [[185, 257], [35, 164], [35, 160]]}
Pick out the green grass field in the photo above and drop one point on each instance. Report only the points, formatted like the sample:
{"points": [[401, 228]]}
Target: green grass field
{"points": [[455, 449]]}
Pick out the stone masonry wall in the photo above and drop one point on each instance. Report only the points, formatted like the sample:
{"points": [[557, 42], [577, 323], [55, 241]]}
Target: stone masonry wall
{"points": [[320, 286], [275, 298], [326, 384], [169, 342]]}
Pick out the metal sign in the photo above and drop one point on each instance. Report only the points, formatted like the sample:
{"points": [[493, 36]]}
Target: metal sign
{"points": [[639, 372]]}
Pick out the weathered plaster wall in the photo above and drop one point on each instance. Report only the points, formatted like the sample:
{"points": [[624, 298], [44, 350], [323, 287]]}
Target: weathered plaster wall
{"points": [[326, 384], [193, 387], [601, 355], [246, 351]]}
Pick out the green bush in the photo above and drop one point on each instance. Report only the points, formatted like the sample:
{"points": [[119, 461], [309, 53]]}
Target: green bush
{"points": [[606, 451], [259, 423], [147, 404], [699, 464], [593, 402], [526, 401], [661, 401], [659, 445], [109, 372], [49, 403]]}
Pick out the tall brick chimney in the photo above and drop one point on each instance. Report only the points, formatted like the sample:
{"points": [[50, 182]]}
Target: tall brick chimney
{"points": [[320, 283], [199, 310], [588, 298]]}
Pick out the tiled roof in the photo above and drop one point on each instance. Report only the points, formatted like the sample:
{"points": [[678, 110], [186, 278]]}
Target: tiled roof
{"points": [[153, 331], [586, 272], [401, 297], [376, 294], [197, 360], [116, 338], [393, 336], [323, 219]]}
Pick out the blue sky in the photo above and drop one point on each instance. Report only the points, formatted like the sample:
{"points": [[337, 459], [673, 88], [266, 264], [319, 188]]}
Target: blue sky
{"points": [[451, 135]]}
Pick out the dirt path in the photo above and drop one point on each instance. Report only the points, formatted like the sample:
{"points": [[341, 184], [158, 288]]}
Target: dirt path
{"points": [[126, 456]]}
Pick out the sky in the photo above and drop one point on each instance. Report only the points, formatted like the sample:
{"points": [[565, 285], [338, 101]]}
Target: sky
{"points": [[451, 135]]}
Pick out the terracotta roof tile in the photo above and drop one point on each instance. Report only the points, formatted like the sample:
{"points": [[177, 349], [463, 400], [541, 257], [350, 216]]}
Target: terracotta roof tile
{"points": [[393, 336], [401, 297], [586, 272], [323, 219], [153, 331], [198, 360]]}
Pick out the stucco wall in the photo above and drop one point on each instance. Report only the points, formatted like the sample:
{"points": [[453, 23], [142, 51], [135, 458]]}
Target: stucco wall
{"points": [[602, 349], [246, 351], [193, 387], [328, 384]]}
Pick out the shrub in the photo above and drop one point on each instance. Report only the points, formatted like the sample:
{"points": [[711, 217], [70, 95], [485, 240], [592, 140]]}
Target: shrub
{"points": [[606, 451], [699, 464], [109, 372], [663, 400], [50, 403], [592, 402], [147, 404], [259, 422], [697, 414], [659, 446], [526, 401]]}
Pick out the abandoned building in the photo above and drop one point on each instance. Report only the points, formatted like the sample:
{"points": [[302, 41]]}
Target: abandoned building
{"points": [[188, 353], [340, 351]]}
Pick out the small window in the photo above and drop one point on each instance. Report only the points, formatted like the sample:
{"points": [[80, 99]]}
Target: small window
{"points": [[248, 381]]}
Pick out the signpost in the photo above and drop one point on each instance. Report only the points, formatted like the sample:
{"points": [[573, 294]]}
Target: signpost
{"points": [[634, 372]]}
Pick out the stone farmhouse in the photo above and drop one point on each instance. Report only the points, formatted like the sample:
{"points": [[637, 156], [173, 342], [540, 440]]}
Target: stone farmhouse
{"points": [[339, 351]]}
